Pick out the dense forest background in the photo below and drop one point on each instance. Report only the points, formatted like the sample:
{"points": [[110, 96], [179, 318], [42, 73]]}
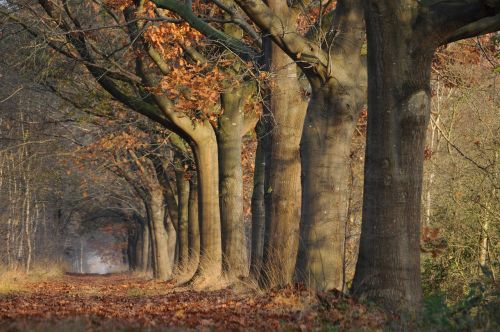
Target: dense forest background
{"points": [[198, 142]]}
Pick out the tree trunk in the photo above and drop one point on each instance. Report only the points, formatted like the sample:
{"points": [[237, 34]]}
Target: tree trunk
{"points": [[193, 224], [81, 257], [172, 216], [229, 140], [131, 250], [388, 267], [183, 215], [162, 265], [172, 240], [258, 208], [210, 265], [139, 249], [145, 250], [283, 187], [325, 149]]}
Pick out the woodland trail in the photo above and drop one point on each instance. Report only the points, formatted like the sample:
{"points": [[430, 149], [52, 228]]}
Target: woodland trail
{"points": [[120, 302]]}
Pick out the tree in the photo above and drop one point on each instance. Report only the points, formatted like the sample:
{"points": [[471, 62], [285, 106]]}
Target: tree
{"points": [[158, 73], [282, 187], [330, 57], [32, 182], [402, 38], [282, 163]]}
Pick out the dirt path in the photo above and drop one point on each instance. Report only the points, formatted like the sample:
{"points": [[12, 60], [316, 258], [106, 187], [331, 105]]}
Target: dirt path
{"points": [[123, 303]]}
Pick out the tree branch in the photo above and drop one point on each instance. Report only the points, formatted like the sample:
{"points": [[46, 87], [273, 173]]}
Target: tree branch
{"points": [[240, 22], [481, 27], [308, 55], [197, 23], [449, 17]]}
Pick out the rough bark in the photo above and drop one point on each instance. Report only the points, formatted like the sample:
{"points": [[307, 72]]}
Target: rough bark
{"points": [[388, 267], [402, 38]]}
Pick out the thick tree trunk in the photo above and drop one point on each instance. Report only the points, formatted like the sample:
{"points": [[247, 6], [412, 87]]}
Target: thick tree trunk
{"points": [[388, 267], [183, 215], [162, 265], [231, 184], [325, 149], [258, 208], [193, 225], [210, 265], [283, 187]]}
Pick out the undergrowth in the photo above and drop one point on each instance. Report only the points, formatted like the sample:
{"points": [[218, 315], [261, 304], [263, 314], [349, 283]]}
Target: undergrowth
{"points": [[16, 280], [478, 311]]}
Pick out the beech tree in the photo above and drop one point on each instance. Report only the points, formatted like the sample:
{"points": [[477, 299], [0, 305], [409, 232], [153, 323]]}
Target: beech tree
{"points": [[282, 184], [330, 57], [144, 86], [402, 38], [279, 163]]}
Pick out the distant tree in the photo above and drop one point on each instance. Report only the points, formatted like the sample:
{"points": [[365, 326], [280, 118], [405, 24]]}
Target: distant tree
{"points": [[152, 62]]}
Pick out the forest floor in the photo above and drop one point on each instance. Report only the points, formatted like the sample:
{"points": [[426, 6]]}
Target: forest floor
{"points": [[122, 302]]}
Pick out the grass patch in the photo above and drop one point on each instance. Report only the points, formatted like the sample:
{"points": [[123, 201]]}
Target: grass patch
{"points": [[15, 280], [136, 292]]}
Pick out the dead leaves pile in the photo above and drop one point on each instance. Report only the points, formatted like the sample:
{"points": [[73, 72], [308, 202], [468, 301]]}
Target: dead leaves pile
{"points": [[137, 303]]}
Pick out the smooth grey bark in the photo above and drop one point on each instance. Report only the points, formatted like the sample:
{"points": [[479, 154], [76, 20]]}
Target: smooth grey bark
{"points": [[183, 214], [283, 186], [330, 121], [172, 240], [193, 224], [146, 248], [203, 143], [210, 263], [229, 140], [162, 261], [172, 216], [258, 206], [325, 150], [402, 38], [139, 249], [230, 129], [143, 249], [330, 57]]}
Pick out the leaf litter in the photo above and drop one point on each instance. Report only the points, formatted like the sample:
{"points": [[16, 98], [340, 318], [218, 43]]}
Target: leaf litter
{"points": [[121, 302]]}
